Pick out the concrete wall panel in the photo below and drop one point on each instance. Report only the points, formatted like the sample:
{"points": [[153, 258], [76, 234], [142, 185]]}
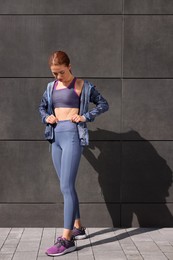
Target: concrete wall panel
{"points": [[148, 7], [147, 215], [19, 101], [61, 7], [147, 109], [27, 173], [107, 126], [148, 50], [36, 37], [99, 172], [51, 215], [147, 172]]}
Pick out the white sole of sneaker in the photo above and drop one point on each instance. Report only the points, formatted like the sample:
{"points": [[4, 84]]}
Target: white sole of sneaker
{"points": [[80, 237], [68, 250]]}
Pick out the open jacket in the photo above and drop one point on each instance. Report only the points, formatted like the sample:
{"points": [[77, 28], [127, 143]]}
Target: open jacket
{"points": [[89, 94]]}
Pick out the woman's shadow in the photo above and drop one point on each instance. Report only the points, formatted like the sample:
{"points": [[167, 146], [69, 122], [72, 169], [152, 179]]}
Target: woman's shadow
{"points": [[132, 175]]}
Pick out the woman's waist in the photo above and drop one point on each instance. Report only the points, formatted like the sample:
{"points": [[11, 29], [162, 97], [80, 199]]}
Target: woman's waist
{"points": [[65, 113], [65, 125]]}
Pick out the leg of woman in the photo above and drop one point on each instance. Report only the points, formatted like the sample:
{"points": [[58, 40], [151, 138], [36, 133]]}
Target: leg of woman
{"points": [[77, 223], [56, 158], [71, 154]]}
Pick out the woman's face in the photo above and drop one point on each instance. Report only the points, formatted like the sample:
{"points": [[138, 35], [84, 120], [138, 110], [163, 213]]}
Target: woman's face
{"points": [[60, 72]]}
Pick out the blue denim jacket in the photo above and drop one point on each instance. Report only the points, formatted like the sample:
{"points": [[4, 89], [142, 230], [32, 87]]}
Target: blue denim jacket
{"points": [[89, 94]]}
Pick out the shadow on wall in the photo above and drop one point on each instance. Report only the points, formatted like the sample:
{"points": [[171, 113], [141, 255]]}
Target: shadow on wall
{"points": [[133, 175]]}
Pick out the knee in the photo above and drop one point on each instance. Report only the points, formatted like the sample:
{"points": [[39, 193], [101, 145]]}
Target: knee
{"points": [[66, 188]]}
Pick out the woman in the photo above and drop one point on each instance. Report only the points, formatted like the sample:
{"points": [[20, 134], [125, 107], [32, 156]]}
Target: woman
{"points": [[64, 110]]}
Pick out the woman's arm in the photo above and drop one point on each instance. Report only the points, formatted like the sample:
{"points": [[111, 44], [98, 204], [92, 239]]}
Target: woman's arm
{"points": [[100, 102], [43, 107]]}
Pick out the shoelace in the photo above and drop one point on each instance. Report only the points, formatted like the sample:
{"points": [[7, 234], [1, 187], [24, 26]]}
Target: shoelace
{"points": [[60, 242]]}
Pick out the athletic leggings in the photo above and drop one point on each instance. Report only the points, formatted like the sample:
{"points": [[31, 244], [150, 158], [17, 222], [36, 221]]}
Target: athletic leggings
{"points": [[66, 154]]}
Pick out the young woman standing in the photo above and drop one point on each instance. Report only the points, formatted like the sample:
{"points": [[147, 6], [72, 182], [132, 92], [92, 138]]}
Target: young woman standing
{"points": [[64, 110]]}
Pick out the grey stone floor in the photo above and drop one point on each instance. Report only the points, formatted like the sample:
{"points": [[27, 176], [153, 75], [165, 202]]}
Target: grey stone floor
{"points": [[102, 243]]}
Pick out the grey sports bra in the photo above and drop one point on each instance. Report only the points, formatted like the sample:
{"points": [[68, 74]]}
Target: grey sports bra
{"points": [[66, 97]]}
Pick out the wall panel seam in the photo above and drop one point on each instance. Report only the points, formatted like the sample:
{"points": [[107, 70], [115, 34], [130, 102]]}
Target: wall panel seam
{"points": [[61, 14]]}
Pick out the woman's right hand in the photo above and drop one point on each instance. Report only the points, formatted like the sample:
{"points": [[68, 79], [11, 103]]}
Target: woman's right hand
{"points": [[51, 119]]}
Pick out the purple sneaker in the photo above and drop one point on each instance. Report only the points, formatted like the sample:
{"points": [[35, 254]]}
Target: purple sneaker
{"points": [[61, 247], [79, 233]]}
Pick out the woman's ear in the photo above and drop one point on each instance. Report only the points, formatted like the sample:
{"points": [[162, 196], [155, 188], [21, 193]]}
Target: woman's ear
{"points": [[70, 68]]}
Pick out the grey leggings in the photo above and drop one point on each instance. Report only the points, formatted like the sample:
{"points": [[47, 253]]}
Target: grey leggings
{"points": [[66, 154]]}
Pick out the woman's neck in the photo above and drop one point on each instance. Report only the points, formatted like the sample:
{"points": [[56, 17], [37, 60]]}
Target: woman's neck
{"points": [[67, 82]]}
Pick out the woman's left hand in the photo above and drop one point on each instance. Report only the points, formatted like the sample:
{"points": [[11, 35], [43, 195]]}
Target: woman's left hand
{"points": [[77, 118]]}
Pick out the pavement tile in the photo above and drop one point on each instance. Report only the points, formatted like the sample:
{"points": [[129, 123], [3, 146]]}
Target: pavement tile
{"points": [[84, 248], [142, 238], [28, 246], [58, 232], [11, 242], [6, 256], [46, 257], [4, 232], [83, 242], [15, 233], [147, 246], [8, 250], [69, 256], [128, 247], [131, 252], [151, 257], [87, 257], [134, 256], [25, 256], [167, 234], [120, 231], [169, 256], [110, 255], [1, 242], [162, 243], [84, 251], [126, 240], [103, 248], [158, 238], [166, 248], [100, 233], [47, 240], [165, 229], [32, 234]]}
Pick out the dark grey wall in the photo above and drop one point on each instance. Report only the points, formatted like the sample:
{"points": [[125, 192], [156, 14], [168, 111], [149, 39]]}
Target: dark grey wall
{"points": [[124, 48]]}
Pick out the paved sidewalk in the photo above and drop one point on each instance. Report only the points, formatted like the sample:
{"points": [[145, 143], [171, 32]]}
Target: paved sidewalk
{"points": [[102, 243]]}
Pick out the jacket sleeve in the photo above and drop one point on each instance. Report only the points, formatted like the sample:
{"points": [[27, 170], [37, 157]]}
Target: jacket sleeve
{"points": [[43, 108], [101, 105]]}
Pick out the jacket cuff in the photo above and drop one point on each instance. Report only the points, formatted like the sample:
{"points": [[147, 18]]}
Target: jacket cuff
{"points": [[44, 119], [84, 117]]}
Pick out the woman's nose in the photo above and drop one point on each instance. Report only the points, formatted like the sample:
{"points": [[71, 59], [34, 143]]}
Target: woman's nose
{"points": [[58, 76]]}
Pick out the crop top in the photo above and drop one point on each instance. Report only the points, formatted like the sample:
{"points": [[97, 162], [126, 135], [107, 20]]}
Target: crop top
{"points": [[66, 97]]}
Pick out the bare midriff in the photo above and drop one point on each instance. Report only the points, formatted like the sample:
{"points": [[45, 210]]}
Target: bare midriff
{"points": [[65, 113]]}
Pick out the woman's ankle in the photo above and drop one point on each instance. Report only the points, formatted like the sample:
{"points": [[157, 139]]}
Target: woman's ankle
{"points": [[78, 227], [67, 234], [77, 224], [67, 238]]}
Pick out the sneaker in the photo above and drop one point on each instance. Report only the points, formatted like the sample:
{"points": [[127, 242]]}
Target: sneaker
{"points": [[61, 247], [79, 233]]}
